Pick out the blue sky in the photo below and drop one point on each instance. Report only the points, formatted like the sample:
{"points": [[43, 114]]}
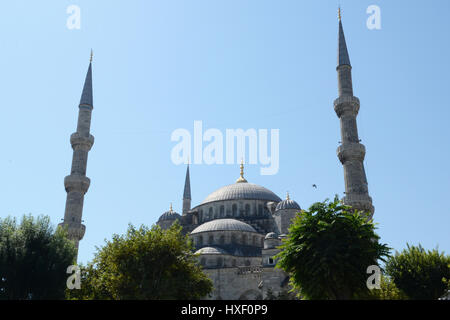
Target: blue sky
{"points": [[161, 65]]}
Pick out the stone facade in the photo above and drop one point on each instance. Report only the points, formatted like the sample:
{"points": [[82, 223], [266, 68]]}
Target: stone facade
{"points": [[245, 283]]}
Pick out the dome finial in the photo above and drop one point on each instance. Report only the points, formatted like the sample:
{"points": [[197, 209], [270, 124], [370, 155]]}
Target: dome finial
{"points": [[241, 178], [339, 13], [92, 55], [287, 196], [171, 207]]}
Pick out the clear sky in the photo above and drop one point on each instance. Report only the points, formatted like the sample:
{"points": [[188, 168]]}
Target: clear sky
{"points": [[160, 65]]}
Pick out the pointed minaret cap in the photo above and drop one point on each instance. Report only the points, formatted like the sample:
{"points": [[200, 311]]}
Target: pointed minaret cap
{"points": [[241, 178], [86, 96], [343, 58], [187, 185]]}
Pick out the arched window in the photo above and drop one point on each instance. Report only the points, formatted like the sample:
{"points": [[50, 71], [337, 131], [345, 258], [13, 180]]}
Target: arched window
{"points": [[254, 240], [247, 210], [200, 240], [247, 263], [222, 239], [244, 239], [260, 210], [211, 240], [234, 210], [233, 239], [222, 211], [210, 213], [219, 262], [203, 261], [200, 213]]}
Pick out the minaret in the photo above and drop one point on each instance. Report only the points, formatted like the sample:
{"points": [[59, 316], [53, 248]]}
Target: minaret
{"points": [[187, 193], [351, 152], [77, 183]]}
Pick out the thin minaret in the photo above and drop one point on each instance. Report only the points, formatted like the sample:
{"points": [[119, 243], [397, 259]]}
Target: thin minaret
{"points": [[77, 183], [187, 193], [351, 152]]}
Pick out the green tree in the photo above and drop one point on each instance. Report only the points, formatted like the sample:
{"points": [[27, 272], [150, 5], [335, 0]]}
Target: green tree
{"points": [[420, 274], [388, 291], [328, 250], [144, 264], [33, 259]]}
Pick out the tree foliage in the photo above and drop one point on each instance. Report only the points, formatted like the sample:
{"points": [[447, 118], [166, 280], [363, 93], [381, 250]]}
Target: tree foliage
{"points": [[144, 264], [33, 259], [419, 273], [328, 250], [388, 291]]}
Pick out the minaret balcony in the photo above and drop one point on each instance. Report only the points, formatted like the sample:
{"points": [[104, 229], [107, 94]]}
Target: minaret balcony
{"points": [[351, 151], [346, 105], [81, 141], [77, 183]]}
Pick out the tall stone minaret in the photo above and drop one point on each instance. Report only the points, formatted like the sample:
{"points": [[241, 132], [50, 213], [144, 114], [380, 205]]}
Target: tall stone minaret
{"points": [[77, 183], [187, 193], [351, 152]]}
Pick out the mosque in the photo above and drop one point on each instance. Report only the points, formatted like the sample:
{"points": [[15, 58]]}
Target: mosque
{"points": [[237, 229]]}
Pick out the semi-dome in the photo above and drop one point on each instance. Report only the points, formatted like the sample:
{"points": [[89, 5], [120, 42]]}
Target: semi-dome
{"points": [[287, 204], [224, 225], [211, 250], [169, 215], [271, 235], [242, 190]]}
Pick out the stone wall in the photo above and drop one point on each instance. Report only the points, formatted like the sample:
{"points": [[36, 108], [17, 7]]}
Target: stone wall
{"points": [[245, 283]]}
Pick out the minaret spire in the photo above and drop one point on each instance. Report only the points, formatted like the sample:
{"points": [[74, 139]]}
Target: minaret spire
{"points": [[351, 152], [343, 58], [77, 183], [187, 193]]}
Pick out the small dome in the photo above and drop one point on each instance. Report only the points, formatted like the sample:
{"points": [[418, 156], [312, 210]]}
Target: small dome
{"points": [[271, 235], [169, 215], [211, 250], [224, 225], [287, 204]]}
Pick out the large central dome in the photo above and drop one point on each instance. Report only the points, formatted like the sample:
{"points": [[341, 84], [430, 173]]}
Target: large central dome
{"points": [[243, 190]]}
